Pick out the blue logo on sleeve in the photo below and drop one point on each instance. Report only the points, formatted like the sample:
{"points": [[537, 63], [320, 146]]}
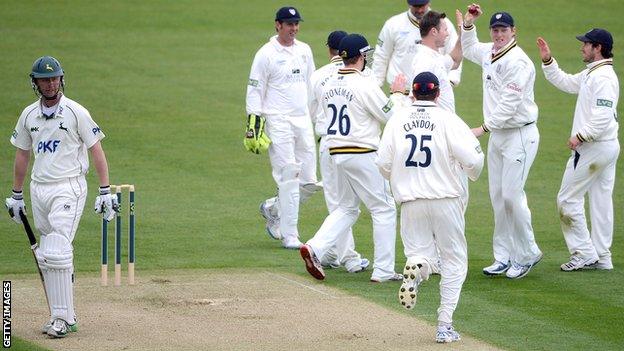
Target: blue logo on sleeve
{"points": [[96, 130], [48, 146]]}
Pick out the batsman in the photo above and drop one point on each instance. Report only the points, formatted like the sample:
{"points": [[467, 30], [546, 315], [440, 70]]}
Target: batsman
{"points": [[58, 132]]}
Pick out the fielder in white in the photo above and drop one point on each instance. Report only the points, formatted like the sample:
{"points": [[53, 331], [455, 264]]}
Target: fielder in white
{"points": [[509, 113], [356, 107], [398, 40], [595, 149], [58, 131], [343, 253], [422, 149], [435, 32], [277, 94]]}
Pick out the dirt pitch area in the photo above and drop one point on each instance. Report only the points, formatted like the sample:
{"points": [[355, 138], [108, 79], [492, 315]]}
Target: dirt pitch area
{"points": [[223, 310]]}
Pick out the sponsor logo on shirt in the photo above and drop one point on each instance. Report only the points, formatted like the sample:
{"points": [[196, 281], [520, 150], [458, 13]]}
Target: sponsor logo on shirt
{"points": [[514, 87], [34, 129], [14, 135], [388, 106], [605, 103], [253, 82], [61, 127], [96, 130], [48, 146], [296, 71]]}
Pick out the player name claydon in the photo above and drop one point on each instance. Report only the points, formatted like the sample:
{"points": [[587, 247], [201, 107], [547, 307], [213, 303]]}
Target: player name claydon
{"points": [[419, 123]]}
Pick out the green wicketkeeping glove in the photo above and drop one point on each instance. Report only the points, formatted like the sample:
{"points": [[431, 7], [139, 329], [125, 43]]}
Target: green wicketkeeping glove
{"points": [[256, 139]]}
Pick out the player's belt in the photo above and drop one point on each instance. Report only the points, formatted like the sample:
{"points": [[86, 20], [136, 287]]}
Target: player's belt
{"points": [[350, 150]]}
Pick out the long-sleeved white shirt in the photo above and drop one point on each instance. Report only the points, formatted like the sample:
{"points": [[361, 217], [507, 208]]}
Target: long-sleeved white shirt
{"points": [[355, 107], [280, 79], [598, 89], [508, 80], [396, 46], [421, 150], [429, 60], [318, 81]]}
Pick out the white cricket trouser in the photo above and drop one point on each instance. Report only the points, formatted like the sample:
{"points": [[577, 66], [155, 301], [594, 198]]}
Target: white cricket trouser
{"points": [[292, 143], [344, 250], [511, 153], [427, 223], [358, 179], [591, 169], [57, 208]]}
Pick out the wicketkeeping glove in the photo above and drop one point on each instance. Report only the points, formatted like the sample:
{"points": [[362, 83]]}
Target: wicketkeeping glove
{"points": [[256, 139], [106, 203], [14, 204]]}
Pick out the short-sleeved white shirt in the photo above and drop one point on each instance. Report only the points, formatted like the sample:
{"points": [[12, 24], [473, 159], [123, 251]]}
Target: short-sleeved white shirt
{"points": [[59, 143]]}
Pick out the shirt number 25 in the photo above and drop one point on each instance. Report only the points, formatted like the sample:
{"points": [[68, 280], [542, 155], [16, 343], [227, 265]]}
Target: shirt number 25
{"points": [[423, 148]]}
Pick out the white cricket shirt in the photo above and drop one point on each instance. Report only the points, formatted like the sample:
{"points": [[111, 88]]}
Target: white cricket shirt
{"points": [[396, 47], [422, 149], [59, 143], [429, 60], [508, 80], [598, 89], [279, 79], [318, 80], [355, 107]]}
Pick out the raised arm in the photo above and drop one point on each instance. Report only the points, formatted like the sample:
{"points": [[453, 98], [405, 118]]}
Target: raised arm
{"points": [[563, 81]]}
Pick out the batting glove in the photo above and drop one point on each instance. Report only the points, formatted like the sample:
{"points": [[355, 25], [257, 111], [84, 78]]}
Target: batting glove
{"points": [[15, 204], [256, 139], [106, 203]]}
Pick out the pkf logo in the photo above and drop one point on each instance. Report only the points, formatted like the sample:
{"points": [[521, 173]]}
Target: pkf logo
{"points": [[96, 130], [48, 146]]}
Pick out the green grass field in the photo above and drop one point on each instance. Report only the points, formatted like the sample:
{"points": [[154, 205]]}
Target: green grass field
{"points": [[166, 82]]}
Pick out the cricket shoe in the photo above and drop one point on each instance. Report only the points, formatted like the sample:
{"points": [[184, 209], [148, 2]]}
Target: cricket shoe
{"points": [[601, 264], [330, 261], [396, 277], [578, 262], [48, 325], [408, 291], [313, 265], [361, 267], [447, 334], [291, 242], [496, 268], [330, 264], [518, 271], [60, 328], [272, 220]]}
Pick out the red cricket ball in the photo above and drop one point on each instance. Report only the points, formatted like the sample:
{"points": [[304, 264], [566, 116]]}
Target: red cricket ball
{"points": [[473, 10]]}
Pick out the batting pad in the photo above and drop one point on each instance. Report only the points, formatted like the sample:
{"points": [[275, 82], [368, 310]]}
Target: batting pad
{"points": [[60, 288], [288, 197], [57, 268]]}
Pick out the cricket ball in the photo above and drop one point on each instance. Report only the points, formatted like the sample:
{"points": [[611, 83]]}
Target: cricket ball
{"points": [[473, 10]]}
